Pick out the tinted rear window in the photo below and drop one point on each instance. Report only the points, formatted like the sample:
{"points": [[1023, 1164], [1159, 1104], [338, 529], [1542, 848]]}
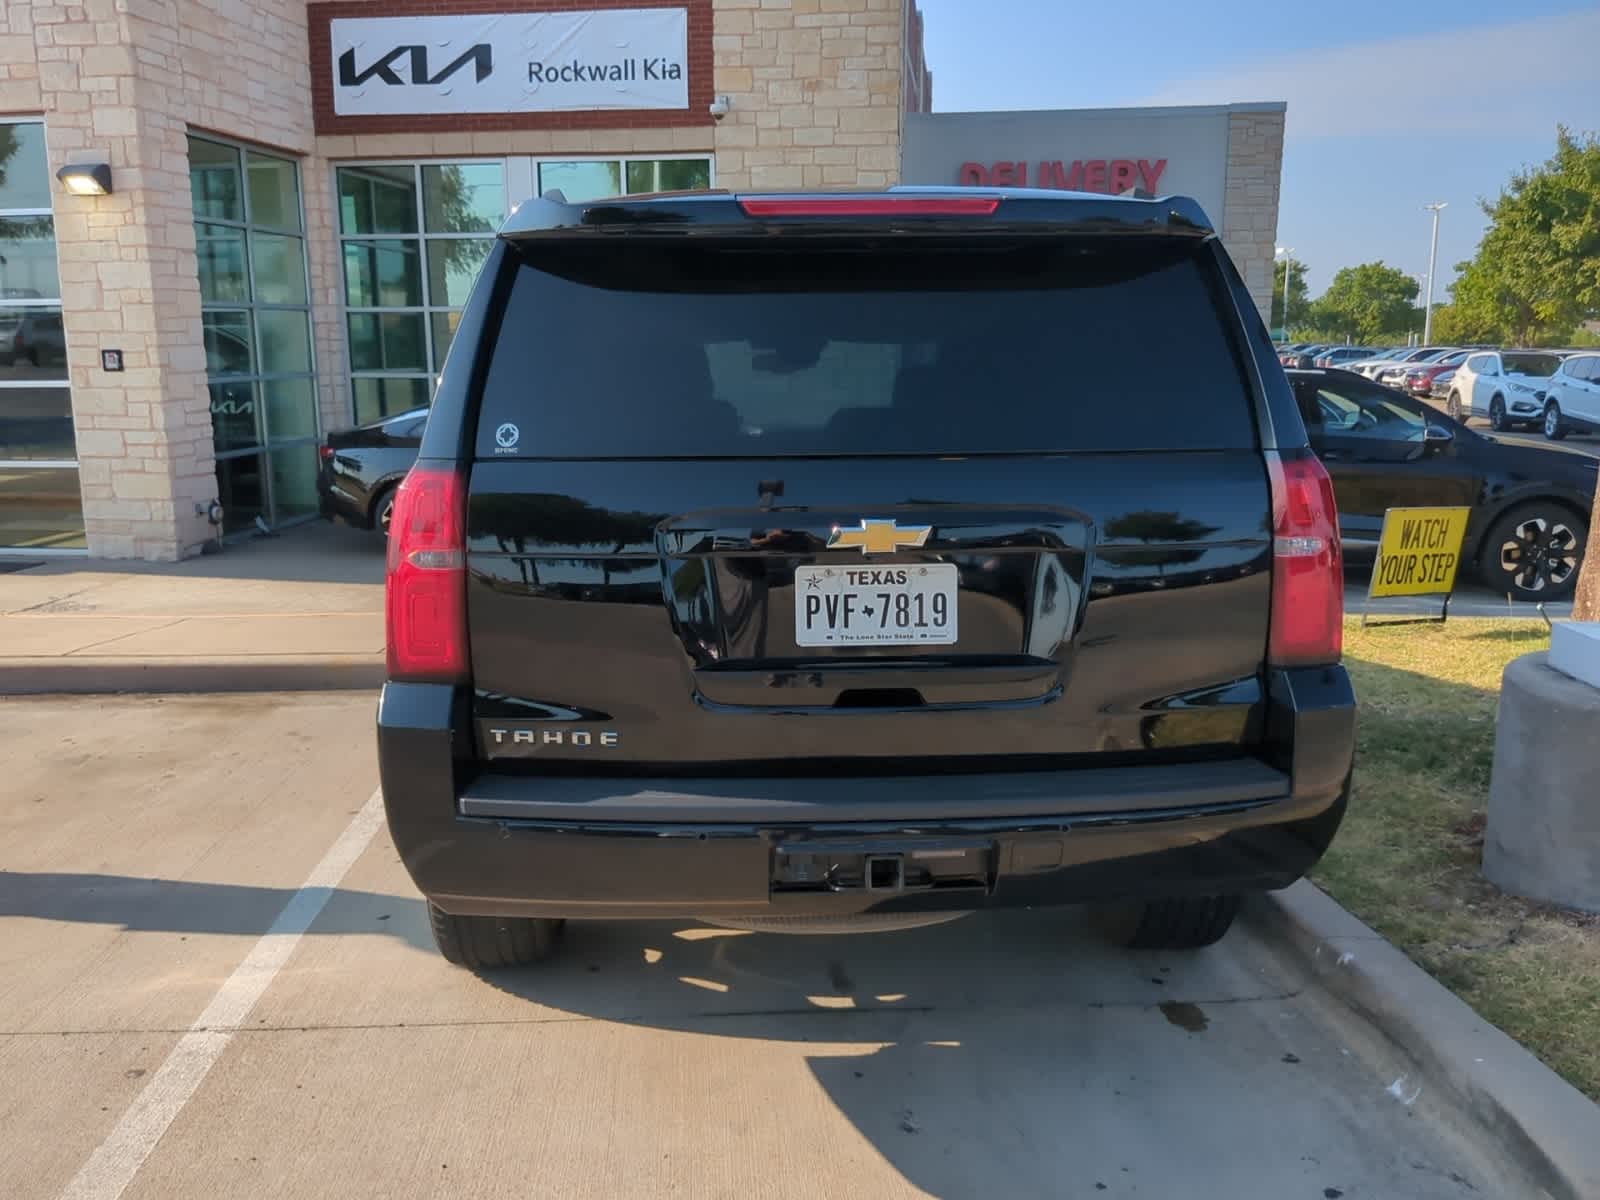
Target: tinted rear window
{"points": [[617, 351]]}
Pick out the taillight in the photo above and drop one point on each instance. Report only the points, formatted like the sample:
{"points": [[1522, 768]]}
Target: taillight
{"points": [[1307, 569], [874, 206], [325, 453], [426, 592]]}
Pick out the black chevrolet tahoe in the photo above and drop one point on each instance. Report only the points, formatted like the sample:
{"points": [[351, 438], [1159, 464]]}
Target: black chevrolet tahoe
{"points": [[859, 560]]}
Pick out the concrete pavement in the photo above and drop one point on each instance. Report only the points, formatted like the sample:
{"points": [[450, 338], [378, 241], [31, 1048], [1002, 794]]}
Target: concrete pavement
{"points": [[148, 844], [303, 609]]}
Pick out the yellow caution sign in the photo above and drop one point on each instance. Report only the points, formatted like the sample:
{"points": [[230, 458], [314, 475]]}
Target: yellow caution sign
{"points": [[1419, 551]]}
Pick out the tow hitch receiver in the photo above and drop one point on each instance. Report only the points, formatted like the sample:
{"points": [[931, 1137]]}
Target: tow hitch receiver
{"points": [[808, 866]]}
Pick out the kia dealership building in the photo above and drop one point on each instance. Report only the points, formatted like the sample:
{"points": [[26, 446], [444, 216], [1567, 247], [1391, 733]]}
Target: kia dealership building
{"points": [[227, 226]]}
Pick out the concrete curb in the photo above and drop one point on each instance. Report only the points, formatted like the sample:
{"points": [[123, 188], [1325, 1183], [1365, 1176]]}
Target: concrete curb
{"points": [[1547, 1125], [244, 673]]}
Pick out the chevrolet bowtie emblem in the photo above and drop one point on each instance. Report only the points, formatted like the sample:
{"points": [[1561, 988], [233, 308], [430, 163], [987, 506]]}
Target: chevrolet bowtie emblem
{"points": [[878, 537]]}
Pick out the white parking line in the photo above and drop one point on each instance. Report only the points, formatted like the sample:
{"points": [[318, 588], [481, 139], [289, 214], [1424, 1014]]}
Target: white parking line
{"points": [[117, 1160]]}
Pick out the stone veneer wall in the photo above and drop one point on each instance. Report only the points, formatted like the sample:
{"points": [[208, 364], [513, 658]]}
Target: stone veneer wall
{"points": [[815, 88], [123, 81], [1250, 207]]}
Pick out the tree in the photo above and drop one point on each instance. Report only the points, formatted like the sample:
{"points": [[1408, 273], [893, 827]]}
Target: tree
{"points": [[1536, 274], [1369, 303], [1299, 297], [1586, 604]]}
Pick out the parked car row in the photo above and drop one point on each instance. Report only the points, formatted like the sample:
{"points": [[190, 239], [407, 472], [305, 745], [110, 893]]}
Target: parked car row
{"points": [[1530, 504], [1554, 390]]}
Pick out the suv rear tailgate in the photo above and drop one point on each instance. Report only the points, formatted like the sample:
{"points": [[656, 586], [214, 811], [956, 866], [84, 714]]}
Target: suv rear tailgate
{"points": [[678, 444]]}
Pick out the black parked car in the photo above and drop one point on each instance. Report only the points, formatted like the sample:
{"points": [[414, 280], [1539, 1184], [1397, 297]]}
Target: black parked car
{"points": [[359, 469], [777, 560], [1530, 504]]}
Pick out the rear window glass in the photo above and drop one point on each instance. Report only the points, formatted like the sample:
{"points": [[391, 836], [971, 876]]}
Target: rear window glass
{"points": [[644, 351], [1530, 364]]}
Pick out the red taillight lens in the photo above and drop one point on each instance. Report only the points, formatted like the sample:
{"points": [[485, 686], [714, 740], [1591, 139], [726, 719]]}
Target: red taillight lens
{"points": [[426, 593], [324, 452], [877, 206], [1307, 569]]}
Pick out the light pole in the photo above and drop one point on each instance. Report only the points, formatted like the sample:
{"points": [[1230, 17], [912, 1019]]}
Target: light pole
{"points": [[1433, 256], [1288, 265]]}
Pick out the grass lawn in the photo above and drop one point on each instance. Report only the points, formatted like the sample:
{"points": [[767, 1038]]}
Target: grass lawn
{"points": [[1407, 858]]}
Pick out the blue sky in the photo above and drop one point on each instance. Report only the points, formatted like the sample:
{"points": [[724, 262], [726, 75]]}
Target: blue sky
{"points": [[1392, 103]]}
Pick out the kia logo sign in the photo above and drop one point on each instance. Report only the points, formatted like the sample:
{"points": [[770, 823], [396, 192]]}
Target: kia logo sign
{"points": [[509, 62], [480, 56], [1111, 175]]}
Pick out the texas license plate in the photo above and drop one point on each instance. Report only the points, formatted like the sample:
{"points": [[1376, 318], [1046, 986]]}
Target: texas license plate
{"points": [[875, 606]]}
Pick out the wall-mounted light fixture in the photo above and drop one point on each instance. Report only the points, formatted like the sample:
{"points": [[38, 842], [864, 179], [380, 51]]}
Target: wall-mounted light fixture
{"points": [[86, 179]]}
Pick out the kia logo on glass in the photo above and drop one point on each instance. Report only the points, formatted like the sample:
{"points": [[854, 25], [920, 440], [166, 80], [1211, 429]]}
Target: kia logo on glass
{"points": [[480, 56]]}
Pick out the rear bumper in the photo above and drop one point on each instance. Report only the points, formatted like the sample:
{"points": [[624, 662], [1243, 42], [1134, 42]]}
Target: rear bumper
{"points": [[565, 847], [335, 505]]}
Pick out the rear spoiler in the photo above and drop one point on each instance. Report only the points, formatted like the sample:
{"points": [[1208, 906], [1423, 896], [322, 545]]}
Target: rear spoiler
{"points": [[900, 211]]}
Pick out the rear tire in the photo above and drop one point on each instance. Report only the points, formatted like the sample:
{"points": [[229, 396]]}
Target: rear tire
{"points": [[1453, 407], [1554, 429], [1170, 923], [483, 942]]}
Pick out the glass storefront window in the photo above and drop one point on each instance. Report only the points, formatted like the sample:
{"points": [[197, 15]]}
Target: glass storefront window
{"points": [[387, 342], [24, 172], [453, 265], [233, 415], [214, 181], [256, 320], [444, 332], [33, 345], [285, 341], [464, 198], [290, 408], [294, 481], [590, 179], [669, 175], [414, 237], [41, 508], [382, 274], [28, 259], [230, 350], [220, 251], [36, 423], [378, 396], [377, 200], [279, 264], [274, 192]]}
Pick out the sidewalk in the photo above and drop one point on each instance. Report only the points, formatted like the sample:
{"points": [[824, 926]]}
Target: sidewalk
{"points": [[299, 611]]}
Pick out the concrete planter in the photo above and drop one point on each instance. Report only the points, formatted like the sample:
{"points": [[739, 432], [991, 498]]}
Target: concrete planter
{"points": [[1543, 835]]}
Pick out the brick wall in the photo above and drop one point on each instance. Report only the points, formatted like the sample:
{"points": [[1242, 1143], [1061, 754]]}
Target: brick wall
{"points": [[1250, 209], [815, 88]]}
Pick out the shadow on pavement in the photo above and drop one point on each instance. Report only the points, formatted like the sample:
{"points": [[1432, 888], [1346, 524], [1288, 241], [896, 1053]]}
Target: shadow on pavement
{"points": [[1005, 1054], [181, 906]]}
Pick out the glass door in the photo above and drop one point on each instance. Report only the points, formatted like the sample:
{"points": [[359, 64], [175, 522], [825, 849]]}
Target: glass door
{"points": [[256, 319]]}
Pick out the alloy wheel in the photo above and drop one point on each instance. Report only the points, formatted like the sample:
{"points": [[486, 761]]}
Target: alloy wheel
{"points": [[1454, 407], [1552, 421], [1497, 414], [1540, 553]]}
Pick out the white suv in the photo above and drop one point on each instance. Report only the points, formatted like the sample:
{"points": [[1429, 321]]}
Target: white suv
{"points": [[1572, 398], [1507, 386]]}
